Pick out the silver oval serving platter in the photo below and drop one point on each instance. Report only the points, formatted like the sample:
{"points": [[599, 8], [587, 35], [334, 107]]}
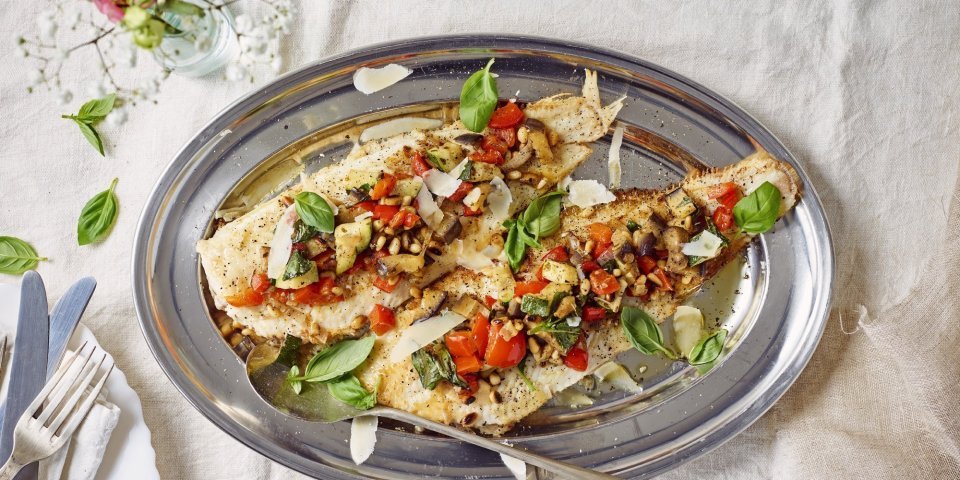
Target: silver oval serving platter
{"points": [[775, 300]]}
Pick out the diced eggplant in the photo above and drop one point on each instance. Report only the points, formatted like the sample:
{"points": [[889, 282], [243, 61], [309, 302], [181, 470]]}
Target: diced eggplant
{"points": [[430, 302], [673, 240], [607, 256], [681, 205], [577, 256], [391, 265], [469, 139], [538, 138], [644, 242], [449, 228], [534, 124]]}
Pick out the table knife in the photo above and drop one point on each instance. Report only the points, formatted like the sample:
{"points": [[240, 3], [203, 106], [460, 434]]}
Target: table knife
{"points": [[29, 352], [64, 319]]}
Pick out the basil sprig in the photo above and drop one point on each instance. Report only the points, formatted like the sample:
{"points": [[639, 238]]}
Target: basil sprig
{"points": [[98, 216], [708, 349], [757, 212], [314, 211], [434, 364], [478, 99], [90, 114], [17, 256], [540, 219], [348, 390], [297, 265], [643, 332]]}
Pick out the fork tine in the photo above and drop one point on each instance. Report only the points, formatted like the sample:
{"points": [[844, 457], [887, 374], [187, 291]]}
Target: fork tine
{"points": [[42, 396], [87, 404], [64, 384], [79, 390]]}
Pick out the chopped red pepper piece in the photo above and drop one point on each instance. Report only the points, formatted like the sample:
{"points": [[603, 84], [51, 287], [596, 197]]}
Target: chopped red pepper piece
{"points": [[383, 187], [646, 264], [461, 192], [384, 284], [533, 286], [382, 319], [594, 314], [461, 343], [603, 283], [260, 283], [577, 359], [480, 331], [589, 266], [419, 164], [385, 212], [467, 364], [247, 297], [558, 254]]}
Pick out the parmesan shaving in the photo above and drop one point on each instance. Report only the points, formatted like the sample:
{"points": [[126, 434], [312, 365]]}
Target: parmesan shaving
{"points": [[440, 183], [613, 162], [587, 193], [428, 210], [706, 245], [458, 170], [470, 258], [363, 437], [515, 465], [614, 374], [397, 126], [687, 328], [370, 80], [282, 243], [500, 199], [420, 334]]}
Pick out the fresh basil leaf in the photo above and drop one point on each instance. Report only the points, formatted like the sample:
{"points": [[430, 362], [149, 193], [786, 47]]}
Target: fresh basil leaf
{"points": [[336, 360], [757, 212], [478, 99], [293, 379], [314, 211], [17, 256], [555, 301], [532, 305], [434, 160], [91, 135], [297, 265], [542, 217], [302, 232], [514, 246], [97, 109], [434, 364], [708, 349], [467, 171], [348, 390], [98, 216], [643, 332], [565, 334]]}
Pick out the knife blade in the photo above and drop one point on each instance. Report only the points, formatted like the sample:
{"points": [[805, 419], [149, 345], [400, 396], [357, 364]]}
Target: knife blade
{"points": [[30, 351], [64, 319]]}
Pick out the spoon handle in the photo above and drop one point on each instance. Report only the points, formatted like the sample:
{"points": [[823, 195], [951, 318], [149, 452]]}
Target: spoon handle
{"points": [[566, 470]]}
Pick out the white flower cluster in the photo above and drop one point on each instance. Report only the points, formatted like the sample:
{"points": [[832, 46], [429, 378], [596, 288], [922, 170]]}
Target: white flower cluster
{"points": [[260, 40], [75, 35]]}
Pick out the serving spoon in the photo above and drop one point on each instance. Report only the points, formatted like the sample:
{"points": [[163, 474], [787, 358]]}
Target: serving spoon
{"points": [[268, 379]]}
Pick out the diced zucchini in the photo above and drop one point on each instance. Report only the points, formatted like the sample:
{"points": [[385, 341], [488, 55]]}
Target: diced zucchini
{"points": [[311, 275], [560, 272], [359, 178], [553, 288], [349, 240], [483, 172], [315, 247], [391, 265], [467, 306], [681, 205], [446, 156], [408, 187]]}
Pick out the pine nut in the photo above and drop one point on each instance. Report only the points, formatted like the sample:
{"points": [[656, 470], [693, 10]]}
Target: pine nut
{"points": [[495, 396], [584, 286], [522, 134], [336, 290], [393, 280], [617, 272], [656, 280], [226, 329], [394, 246], [542, 183], [393, 201], [589, 246], [407, 200], [629, 258], [534, 346], [381, 241], [405, 240], [494, 379], [377, 224], [416, 292], [415, 248], [514, 175]]}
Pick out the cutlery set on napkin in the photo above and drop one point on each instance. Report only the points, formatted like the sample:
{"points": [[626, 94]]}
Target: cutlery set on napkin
{"points": [[56, 413]]}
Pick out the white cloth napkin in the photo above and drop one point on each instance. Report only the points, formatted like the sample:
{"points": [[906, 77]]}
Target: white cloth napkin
{"points": [[80, 458]]}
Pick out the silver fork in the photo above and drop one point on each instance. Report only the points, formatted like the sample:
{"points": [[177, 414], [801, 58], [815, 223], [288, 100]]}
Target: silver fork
{"points": [[57, 411]]}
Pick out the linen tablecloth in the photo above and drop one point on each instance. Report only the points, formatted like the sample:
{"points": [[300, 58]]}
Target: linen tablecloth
{"points": [[865, 94]]}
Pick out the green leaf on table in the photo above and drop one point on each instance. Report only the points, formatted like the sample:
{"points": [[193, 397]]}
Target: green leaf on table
{"points": [[757, 212], [708, 349], [98, 216], [17, 256], [478, 99], [314, 211], [91, 135], [97, 109], [348, 390], [643, 332]]}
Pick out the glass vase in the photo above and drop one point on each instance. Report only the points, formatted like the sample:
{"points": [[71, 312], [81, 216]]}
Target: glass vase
{"points": [[201, 44]]}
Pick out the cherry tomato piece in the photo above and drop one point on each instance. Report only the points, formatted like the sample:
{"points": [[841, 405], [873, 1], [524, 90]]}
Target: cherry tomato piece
{"points": [[467, 364], [461, 192], [260, 283], [589, 266], [506, 116], [382, 319], [723, 218], [480, 332], [557, 254], [533, 286], [603, 283], [461, 344], [385, 212], [419, 164], [502, 353], [646, 264]]}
